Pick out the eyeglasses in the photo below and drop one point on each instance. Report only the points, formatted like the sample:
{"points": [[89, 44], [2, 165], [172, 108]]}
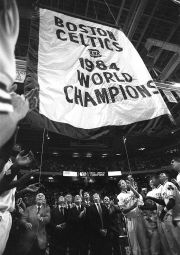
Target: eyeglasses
{"points": [[172, 162]]}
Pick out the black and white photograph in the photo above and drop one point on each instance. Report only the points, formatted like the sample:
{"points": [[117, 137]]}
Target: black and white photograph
{"points": [[89, 127]]}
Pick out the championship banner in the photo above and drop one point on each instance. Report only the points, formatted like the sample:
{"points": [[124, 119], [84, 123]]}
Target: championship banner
{"points": [[90, 79], [170, 97]]}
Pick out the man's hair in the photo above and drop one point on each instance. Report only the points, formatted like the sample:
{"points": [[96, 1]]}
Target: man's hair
{"points": [[154, 176], [177, 158]]}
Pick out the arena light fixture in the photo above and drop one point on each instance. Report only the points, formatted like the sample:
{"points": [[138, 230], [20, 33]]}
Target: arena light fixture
{"points": [[141, 149], [69, 174], [118, 154], [115, 173], [88, 155], [50, 178], [75, 155]]}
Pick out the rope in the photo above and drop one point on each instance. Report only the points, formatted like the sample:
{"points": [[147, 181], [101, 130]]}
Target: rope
{"points": [[42, 152], [129, 165]]}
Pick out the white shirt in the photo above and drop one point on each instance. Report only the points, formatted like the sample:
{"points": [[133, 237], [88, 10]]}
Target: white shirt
{"points": [[178, 179], [126, 200], [7, 199], [169, 190]]}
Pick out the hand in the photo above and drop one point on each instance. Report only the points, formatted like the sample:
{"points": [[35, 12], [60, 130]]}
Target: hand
{"points": [[103, 232], [82, 213], [21, 106], [39, 217], [162, 215], [128, 184], [24, 160], [33, 188], [28, 226], [9, 27]]}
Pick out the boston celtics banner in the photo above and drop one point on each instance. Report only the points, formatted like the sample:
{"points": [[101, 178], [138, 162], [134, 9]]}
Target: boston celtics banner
{"points": [[90, 79]]}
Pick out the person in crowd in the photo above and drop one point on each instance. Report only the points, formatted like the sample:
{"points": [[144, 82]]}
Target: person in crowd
{"points": [[115, 225], [150, 218], [98, 219], [58, 228], [76, 220], [176, 166], [86, 202], [86, 199], [129, 200], [69, 201], [35, 218], [169, 197], [9, 182]]}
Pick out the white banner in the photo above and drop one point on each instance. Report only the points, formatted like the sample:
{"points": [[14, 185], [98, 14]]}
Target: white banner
{"points": [[170, 97], [91, 76]]}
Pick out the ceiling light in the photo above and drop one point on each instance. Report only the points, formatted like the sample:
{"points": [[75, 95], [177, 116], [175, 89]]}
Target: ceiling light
{"points": [[141, 149], [75, 155], [88, 155]]}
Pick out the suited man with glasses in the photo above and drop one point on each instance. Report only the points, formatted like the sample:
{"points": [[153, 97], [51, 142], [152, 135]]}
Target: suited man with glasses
{"points": [[98, 218], [58, 228]]}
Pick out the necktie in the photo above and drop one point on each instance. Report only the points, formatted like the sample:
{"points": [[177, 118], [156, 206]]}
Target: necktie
{"points": [[100, 213], [62, 211], [39, 208]]}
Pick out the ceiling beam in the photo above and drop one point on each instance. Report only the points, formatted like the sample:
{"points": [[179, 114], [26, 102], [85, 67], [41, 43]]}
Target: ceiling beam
{"points": [[160, 44], [87, 6], [136, 18], [166, 41], [147, 24], [120, 12], [129, 18], [170, 67]]}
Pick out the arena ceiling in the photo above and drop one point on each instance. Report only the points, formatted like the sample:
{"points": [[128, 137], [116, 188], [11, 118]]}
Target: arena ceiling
{"points": [[153, 26]]}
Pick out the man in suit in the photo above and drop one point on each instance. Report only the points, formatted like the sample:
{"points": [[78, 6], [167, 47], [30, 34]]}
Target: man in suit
{"points": [[98, 218], [58, 228], [116, 225], [35, 218], [76, 220]]}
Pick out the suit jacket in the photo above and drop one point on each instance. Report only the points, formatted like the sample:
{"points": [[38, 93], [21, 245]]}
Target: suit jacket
{"points": [[116, 223], [76, 225], [38, 227], [94, 220], [57, 217]]}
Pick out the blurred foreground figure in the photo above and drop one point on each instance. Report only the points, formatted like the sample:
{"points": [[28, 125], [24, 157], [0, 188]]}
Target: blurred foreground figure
{"points": [[8, 184], [12, 108]]}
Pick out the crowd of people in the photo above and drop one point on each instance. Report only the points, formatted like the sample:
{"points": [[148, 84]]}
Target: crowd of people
{"points": [[141, 223]]}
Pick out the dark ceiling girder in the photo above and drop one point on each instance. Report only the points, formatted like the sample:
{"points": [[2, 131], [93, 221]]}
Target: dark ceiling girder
{"points": [[87, 6], [170, 67], [120, 12], [130, 16], [147, 24], [137, 16], [167, 40]]}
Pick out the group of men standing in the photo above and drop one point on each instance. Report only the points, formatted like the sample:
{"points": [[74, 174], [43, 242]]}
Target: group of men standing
{"points": [[85, 226], [81, 227]]}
